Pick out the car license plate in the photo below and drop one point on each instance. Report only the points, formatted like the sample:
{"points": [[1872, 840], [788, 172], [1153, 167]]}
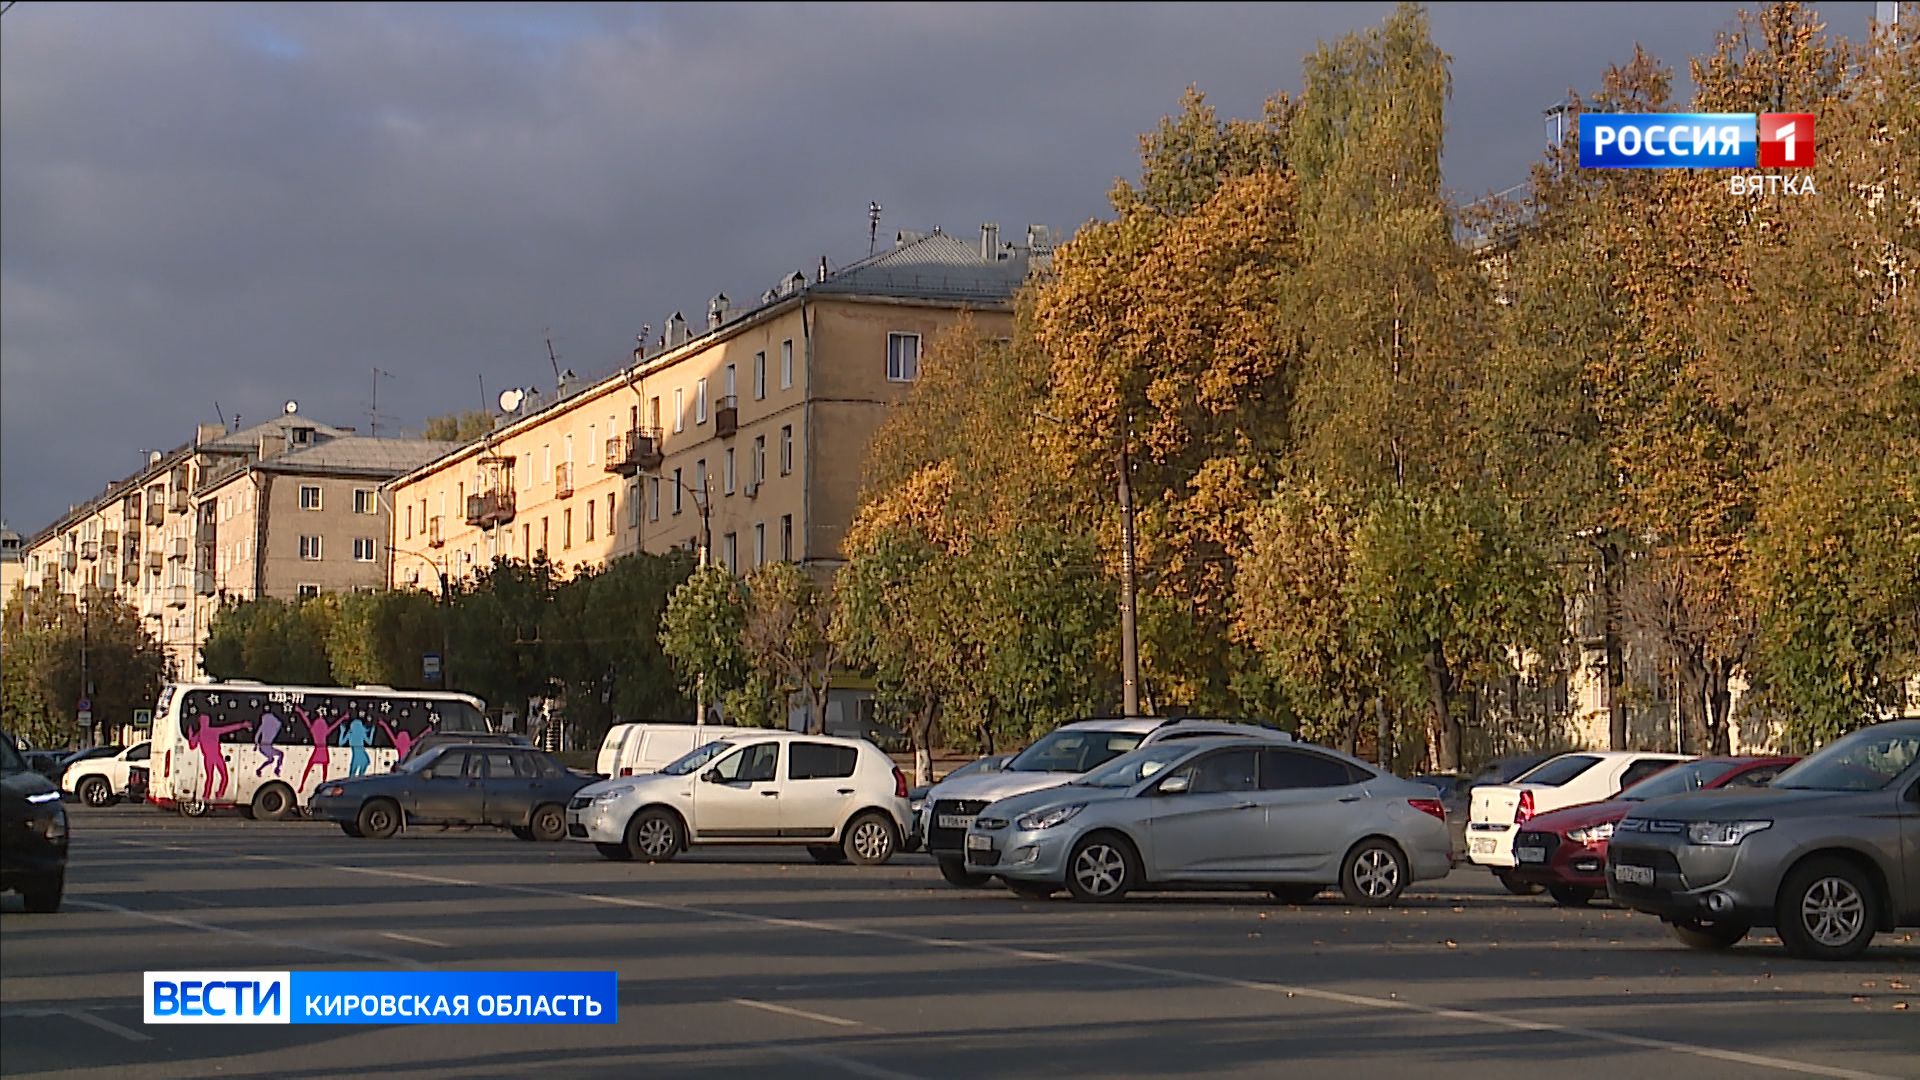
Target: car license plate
{"points": [[1482, 847], [1530, 854], [955, 821], [979, 843], [1633, 875]]}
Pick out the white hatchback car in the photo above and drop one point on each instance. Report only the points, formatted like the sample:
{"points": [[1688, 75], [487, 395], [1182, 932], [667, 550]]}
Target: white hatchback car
{"points": [[99, 781], [843, 799], [1498, 810]]}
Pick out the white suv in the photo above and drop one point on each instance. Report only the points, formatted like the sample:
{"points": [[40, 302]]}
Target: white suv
{"points": [[1055, 758], [1498, 810], [99, 781], [843, 799]]}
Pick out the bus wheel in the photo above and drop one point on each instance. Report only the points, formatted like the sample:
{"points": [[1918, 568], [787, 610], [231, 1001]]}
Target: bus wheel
{"points": [[379, 819], [194, 808], [274, 802]]}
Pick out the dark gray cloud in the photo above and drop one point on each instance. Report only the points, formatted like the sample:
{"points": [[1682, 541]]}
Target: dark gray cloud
{"points": [[246, 205]]}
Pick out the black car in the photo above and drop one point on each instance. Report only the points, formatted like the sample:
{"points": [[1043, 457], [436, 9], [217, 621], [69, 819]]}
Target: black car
{"points": [[48, 763], [508, 787], [33, 833], [435, 739]]}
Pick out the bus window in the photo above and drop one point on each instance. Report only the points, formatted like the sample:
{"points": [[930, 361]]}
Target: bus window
{"points": [[460, 716]]}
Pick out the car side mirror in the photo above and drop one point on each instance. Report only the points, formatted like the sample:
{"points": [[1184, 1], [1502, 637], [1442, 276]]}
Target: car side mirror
{"points": [[711, 776], [1176, 785], [1913, 793]]}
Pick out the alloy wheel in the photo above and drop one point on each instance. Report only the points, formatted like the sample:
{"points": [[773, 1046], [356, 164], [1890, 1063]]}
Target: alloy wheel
{"points": [[871, 841], [1833, 911], [655, 836], [1376, 873], [1100, 869]]}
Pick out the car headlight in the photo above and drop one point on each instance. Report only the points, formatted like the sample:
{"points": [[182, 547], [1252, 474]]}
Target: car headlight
{"points": [[610, 796], [1047, 819], [334, 790], [1723, 833], [53, 826], [1592, 834]]}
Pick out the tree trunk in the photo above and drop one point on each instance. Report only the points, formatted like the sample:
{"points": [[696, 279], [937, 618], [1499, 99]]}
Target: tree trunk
{"points": [[1350, 743], [922, 735], [1443, 731], [1384, 726], [1692, 703], [1611, 569], [1719, 706]]}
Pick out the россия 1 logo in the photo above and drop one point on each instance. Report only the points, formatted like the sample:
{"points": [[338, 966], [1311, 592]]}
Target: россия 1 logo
{"points": [[1704, 141]]}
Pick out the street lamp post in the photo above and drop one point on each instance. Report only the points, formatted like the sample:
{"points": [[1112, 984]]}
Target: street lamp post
{"points": [[702, 502], [446, 610]]}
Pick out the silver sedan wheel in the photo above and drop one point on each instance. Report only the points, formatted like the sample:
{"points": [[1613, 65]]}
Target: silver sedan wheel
{"points": [[1100, 869], [1833, 911], [1376, 873], [655, 837], [872, 841]]}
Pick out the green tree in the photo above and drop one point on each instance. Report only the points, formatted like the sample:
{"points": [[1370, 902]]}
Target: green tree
{"points": [[42, 637], [496, 648], [459, 426], [784, 635], [383, 637], [700, 632], [272, 640], [601, 643]]}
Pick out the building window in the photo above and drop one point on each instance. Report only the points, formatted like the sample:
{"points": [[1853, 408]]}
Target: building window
{"points": [[732, 388], [526, 541], [678, 487], [679, 409], [653, 412], [590, 505], [309, 497], [759, 375], [308, 592], [409, 533], [610, 518], [566, 529], [653, 499], [726, 472], [903, 357], [759, 544], [546, 463], [786, 537], [363, 502], [310, 548], [759, 458], [546, 534], [363, 549], [423, 515], [593, 448], [786, 364], [700, 483], [700, 401], [786, 450], [566, 447], [730, 553]]}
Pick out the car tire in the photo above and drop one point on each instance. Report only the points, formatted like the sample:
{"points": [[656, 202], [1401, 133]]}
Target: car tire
{"points": [[350, 829], [1296, 894], [1374, 873], [520, 832], [615, 852], [870, 840], [827, 854], [274, 802], [1706, 935], [378, 819], [1102, 868], [655, 835], [194, 808], [95, 791], [1571, 895], [1033, 890], [547, 824], [42, 897], [1828, 910], [1515, 886], [955, 871]]}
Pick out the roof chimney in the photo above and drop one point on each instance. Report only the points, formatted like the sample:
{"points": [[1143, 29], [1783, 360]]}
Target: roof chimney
{"points": [[989, 242], [676, 330], [206, 433], [717, 311], [823, 268]]}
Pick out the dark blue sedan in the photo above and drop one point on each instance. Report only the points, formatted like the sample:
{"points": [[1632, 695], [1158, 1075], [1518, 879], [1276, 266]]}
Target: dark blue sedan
{"points": [[508, 787]]}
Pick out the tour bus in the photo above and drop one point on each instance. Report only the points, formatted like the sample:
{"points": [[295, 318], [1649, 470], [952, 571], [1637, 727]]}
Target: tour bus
{"points": [[265, 749]]}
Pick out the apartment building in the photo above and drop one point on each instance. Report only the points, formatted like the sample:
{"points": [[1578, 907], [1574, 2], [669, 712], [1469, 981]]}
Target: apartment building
{"points": [[747, 438], [285, 508], [13, 569]]}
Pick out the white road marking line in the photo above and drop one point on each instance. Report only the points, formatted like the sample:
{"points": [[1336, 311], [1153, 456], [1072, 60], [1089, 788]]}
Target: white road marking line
{"points": [[1489, 1019], [857, 1068], [415, 940], [837, 1021], [245, 935], [126, 1033]]}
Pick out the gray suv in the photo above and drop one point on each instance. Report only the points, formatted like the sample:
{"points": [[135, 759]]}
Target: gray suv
{"points": [[1828, 854]]}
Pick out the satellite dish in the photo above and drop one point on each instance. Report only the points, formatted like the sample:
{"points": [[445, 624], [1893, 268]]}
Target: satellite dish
{"points": [[292, 407], [510, 400]]}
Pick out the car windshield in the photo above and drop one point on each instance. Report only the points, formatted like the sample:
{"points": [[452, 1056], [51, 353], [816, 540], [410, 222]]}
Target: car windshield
{"points": [[414, 763], [981, 765], [696, 759], [1559, 770], [1073, 750], [1863, 761], [10, 760], [1678, 780], [1131, 768]]}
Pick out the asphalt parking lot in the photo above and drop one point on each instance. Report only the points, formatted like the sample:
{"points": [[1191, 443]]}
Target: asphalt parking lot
{"points": [[757, 962]]}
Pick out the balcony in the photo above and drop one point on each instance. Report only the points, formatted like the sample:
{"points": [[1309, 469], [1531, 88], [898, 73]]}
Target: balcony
{"points": [[436, 537], [109, 543], [178, 549], [155, 562], [69, 561], [563, 480], [177, 501], [156, 512], [130, 569], [90, 550], [205, 583], [50, 581], [207, 532], [726, 416], [637, 451], [176, 596], [490, 509]]}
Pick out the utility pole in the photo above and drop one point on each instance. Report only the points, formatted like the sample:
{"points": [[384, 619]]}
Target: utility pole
{"points": [[1129, 631], [86, 675]]}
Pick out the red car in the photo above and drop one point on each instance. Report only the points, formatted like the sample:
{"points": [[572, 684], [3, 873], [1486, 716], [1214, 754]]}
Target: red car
{"points": [[1566, 850]]}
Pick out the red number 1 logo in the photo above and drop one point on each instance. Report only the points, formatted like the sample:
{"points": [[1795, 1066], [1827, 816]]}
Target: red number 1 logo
{"points": [[1786, 140]]}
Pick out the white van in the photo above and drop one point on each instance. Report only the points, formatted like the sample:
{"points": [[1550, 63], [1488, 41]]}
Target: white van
{"points": [[638, 749]]}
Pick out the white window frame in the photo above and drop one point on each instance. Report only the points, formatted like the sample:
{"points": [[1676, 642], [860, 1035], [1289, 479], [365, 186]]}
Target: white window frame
{"points": [[310, 549], [365, 549], [759, 459], [679, 409], [593, 444], [786, 450], [760, 375], [699, 402], [317, 498], [759, 544], [898, 363], [726, 472], [653, 499], [306, 591], [679, 489], [730, 552], [786, 364], [733, 383], [363, 497]]}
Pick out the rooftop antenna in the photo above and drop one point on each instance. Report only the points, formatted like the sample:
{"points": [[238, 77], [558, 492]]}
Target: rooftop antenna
{"points": [[373, 410], [552, 359], [221, 415], [873, 226]]}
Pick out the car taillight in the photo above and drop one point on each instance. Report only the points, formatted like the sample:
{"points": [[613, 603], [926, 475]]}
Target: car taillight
{"points": [[1431, 806], [899, 783], [1525, 811], [626, 772]]}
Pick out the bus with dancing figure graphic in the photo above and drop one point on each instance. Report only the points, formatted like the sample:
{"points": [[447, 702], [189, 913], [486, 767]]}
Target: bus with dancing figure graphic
{"points": [[265, 749]]}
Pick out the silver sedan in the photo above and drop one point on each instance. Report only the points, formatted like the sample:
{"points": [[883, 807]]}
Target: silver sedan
{"points": [[1235, 812]]}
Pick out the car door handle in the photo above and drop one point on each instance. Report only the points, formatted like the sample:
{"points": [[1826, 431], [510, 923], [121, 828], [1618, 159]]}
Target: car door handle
{"points": [[1351, 798], [770, 793], [846, 791], [1246, 806]]}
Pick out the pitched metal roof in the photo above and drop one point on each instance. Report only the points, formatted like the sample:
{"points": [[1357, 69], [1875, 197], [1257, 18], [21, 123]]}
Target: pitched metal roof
{"points": [[360, 455]]}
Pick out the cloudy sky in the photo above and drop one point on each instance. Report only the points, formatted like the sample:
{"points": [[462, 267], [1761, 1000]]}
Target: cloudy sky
{"points": [[237, 205]]}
